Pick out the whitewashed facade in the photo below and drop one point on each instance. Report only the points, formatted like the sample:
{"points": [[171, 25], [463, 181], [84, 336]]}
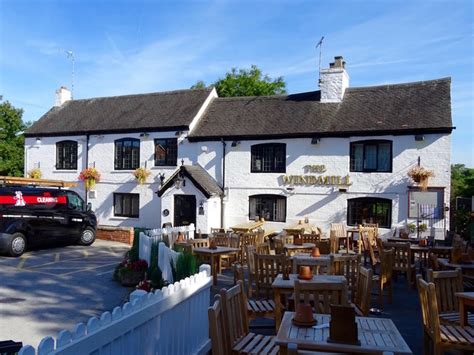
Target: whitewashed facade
{"points": [[322, 204]]}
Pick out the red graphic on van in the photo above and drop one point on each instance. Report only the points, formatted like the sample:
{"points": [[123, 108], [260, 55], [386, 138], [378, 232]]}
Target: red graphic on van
{"points": [[19, 200]]}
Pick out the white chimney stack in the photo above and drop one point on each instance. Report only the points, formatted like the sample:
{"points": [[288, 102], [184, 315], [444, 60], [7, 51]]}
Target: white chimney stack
{"points": [[334, 81], [62, 95]]}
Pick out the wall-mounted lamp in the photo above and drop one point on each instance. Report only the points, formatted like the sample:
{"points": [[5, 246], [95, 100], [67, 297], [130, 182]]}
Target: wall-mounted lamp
{"points": [[315, 140], [144, 135], [178, 133], [38, 140], [162, 178], [419, 137], [201, 208], [235, 143]]}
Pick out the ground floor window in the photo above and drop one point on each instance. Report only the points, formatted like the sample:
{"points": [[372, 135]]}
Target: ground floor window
{"points": [[369, 210], [126, 205], [270, 207]]}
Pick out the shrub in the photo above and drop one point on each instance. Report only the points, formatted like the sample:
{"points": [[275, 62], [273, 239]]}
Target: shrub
{"points": [[186, 265]]}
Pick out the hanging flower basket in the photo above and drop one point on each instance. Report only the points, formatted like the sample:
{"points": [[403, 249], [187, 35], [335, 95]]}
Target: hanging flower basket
{"points": [[421, 176], [141, 174], [35, 173], [90, 176]]}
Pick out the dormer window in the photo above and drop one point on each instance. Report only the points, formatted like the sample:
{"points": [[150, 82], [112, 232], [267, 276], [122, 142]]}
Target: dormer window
{"points": [[127, 154], [66, 155], [371, 156]]}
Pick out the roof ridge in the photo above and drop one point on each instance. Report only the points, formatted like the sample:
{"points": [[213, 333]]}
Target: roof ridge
{"points": [[169, 92], [420, 82]]}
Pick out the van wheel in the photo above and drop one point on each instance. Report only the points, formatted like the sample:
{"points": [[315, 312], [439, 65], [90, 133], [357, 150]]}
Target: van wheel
{"points": [[17, 244], [87, 237]]}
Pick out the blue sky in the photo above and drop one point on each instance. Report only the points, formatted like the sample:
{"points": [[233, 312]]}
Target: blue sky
{"points": [[125, 47]]}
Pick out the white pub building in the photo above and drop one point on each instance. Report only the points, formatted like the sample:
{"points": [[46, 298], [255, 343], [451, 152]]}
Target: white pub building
{"points": [[338, 154]]}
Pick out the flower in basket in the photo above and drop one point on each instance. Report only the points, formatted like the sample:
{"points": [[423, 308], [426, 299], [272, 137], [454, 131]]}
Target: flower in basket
{"points": [[90, 176], [141, 174], [144, 285], [421, 175], [35, 173]]}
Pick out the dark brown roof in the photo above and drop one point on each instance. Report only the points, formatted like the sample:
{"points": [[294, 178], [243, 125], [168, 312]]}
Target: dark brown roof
{"points": [[391, 109], [157, 111], [198, 176]]}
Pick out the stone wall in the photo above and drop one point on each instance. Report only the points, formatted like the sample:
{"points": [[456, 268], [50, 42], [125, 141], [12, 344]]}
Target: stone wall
{"points": [[116, 234]]}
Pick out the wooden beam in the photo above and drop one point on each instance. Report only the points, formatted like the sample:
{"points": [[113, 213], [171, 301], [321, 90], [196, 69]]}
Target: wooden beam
{"points": [[12, 180]]}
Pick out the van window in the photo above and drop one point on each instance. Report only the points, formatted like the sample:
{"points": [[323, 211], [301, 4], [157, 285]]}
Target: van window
{"points": [[74, 202]]}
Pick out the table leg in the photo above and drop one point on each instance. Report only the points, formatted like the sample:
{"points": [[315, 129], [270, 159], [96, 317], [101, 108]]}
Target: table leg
{"points": [[214, 270], [462, 313], [278, 305]]}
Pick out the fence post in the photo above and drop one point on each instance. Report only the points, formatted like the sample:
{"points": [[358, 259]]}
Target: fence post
{"points": [[206, 268]]}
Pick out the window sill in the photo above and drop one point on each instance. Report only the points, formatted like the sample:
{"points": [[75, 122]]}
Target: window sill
{"points": [[118, 218], [157, 167], [66, 171], [122, 171]]}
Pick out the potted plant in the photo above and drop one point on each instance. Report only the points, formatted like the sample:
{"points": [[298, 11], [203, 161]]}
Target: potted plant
{"points": [[130, 273], [141, 174], [35, 173], [90, 176], [420, 176]]}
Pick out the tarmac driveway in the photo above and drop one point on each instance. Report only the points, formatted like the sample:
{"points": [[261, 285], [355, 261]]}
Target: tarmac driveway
{"points": [[45, 291]]}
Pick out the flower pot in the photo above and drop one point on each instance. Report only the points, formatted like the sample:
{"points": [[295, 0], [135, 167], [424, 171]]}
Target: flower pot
{"points": [[315, 252], [305, 273], [130, 278]]}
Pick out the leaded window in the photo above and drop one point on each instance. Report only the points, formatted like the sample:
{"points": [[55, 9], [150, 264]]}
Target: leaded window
{"points": [[369, 210], [268, 158], [127, 154], [166, 152], [269, 207], [66, 155], [371, 156], [126, 205]]}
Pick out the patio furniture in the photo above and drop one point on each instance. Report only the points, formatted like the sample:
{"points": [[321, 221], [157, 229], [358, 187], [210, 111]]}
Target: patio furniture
{"points": [[263, 248], [368, 243], [466, 299], [247, 227], [467, 269], [324, 246], [246, 239], [447, 285], [291, 249], [441, 252], [282, 286], [321, 295], [214, 255], [302, 228], [308, 260], [403, 261], [251, 251], [267, 268], [338, 230], [376, 335], [217, 327], [443, 337], [383, 280], [348, 266], [310, 238], [199, 243], [236, 326], [363, 292]]}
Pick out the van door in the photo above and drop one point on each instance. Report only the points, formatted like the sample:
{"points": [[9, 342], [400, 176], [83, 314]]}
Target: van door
{"points": [[75, 214]]}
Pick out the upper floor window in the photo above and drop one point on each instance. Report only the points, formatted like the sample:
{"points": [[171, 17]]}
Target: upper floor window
{"points": [[268, 158], [369, 210], [66, 155], [270, 207], [166, 152], [371, 156], [127, 154]]}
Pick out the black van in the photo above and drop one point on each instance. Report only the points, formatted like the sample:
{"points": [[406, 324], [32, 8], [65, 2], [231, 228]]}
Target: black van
{"points": [[34, 215]]}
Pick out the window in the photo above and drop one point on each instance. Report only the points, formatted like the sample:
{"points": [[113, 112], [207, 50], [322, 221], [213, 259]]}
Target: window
{"points": [[74, 202], [127, 154], [66, 155], [268, 158], [126, 205], [371, 156], [270, 207], [166, 152], [427, 204], [369, 210]]}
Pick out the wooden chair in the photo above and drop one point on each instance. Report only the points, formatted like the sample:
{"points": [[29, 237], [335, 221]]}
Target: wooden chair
{"points": [[293, 350], [403, 259], [280, 242], [443, 337], [348, 266], [363, 292], [295, 232], [367, 237], [236, 325], [246, 239], [217, 327], [321, 295], [263, 248], [324, 247], [447, 283], [199, 243], [440, 252], [383, 280], [338, 230], [310, 238], [217, 230], [267, 268], [333, 242], [250, 250]]}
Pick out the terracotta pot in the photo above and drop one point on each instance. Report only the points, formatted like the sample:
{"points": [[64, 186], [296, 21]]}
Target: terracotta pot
{"points": [[423, 242], [305, 273], [315, 252], [304, 313], [180, 238]]}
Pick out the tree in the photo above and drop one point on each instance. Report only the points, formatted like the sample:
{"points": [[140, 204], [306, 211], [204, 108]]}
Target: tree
{"points": [[11, 139], [246, 82], [462, 181]]}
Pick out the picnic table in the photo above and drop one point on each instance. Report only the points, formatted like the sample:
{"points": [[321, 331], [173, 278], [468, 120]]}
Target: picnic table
{"points": [[281, 286], [247, 227], [375, 334], [466, 300], [215, 257]]}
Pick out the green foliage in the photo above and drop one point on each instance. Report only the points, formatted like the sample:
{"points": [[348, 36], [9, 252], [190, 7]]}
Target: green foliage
{"points": [[133, 254], [11, 139], [186, 265], [154, 273], [462, 181], [246, 82]]}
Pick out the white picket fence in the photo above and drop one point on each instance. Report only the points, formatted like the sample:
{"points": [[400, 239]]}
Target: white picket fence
{"points": [[150, 236], [169, 321]]}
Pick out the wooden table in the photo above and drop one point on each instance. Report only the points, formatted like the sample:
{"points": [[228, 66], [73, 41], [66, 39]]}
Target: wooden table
{"points": [[308, 228], [215, 256], [295, 247], [374, 334], [403, 240], [281, 286], [307, 259], [467, 269], [466, 300], [247, 227]]}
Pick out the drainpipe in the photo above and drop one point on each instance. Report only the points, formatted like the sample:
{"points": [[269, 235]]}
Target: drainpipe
{"points": [[223, 182], [87, 162]]}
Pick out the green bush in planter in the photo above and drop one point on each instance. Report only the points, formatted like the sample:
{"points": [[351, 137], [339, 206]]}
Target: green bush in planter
{"points": [[186, 265]]}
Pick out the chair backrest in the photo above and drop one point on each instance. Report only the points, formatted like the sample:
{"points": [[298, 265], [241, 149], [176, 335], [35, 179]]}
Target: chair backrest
{"points": [[374, 226], [247, 239], [429, 308], [348, 266], [267, 268], [250, 250], [433, 262], [369, 241], [447, 283], [217, 230], [217, 327], [333, 242], [310, 238], [280, 242], [363, 290], [238, 271], [199, 243], [221, 239], [386, 266], [236, 320], [234, 240], [321, 295], [260, 236], [294, 232], [263, 248], [297, 262], [339, 230], [402, 257], [441, 252], [324, 246]]}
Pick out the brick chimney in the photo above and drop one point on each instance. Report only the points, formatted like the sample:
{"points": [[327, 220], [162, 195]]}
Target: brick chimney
{"points": [[62, 95], [334, 81]]}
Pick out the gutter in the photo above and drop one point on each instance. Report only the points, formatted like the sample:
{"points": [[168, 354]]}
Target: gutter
{"points": [[87, 163], [223, 182]]}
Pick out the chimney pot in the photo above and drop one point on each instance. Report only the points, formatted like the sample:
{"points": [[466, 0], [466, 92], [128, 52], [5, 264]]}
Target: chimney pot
{"points": [[334, 81]]}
